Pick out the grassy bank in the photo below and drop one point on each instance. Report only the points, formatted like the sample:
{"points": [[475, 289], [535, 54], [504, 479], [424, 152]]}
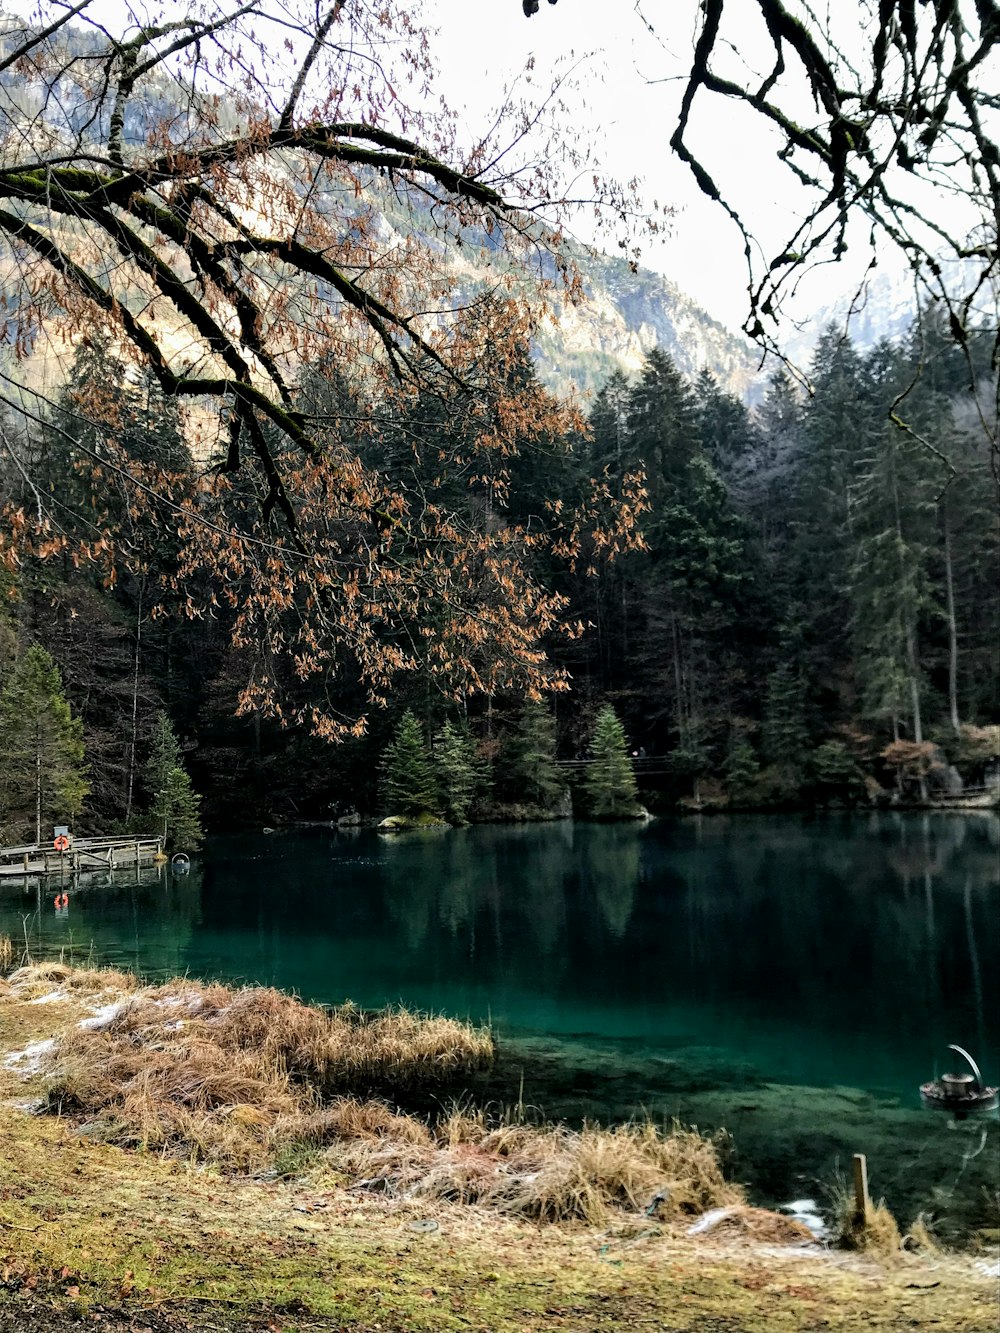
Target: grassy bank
{"points": [[212, 1158]]}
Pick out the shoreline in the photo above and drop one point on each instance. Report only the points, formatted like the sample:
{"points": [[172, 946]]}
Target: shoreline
{"points": [[141, 1233]]}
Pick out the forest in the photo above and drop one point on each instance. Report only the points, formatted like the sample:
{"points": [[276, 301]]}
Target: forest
{"points": [[802, 608], [291, 525]]}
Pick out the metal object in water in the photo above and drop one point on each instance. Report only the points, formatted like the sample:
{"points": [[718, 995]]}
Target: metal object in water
{"points": [[960, 1094]]}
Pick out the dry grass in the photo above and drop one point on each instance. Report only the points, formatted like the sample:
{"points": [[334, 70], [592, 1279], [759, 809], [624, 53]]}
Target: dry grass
{"points": [[741, 1221], [253, 1078], [548, 1173], [874, 1232], [173, 1248], [6, 954], [233, 1075], [42, 979], [920, 1238]]}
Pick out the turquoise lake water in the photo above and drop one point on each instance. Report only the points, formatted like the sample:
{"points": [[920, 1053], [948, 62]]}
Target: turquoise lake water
{"points": [[792, 978]]}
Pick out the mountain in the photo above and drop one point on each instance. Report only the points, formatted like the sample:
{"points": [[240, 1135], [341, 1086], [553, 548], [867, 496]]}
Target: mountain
{"points": [[578, 345], [627, 314]]}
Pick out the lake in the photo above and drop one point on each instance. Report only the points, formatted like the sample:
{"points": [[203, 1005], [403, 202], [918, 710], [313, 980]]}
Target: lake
{"points": [[792, 978]]}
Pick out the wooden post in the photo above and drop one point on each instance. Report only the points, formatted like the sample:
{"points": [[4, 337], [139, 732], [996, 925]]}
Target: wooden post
{"points": [[862, 1203], [137, 862]]}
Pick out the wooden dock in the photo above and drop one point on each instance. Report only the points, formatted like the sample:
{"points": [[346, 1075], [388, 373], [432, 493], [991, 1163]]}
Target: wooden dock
{"points": [[82, 856]]}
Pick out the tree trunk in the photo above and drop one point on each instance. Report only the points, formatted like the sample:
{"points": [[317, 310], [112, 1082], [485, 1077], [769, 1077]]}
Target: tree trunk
{"points": [[130, 782], [909, 618], [918, 732], [38, 788], [952, 631], [678, 681]]}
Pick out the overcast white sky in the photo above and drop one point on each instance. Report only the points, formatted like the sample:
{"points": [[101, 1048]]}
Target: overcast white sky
{"points": [[627, 87], [630, 84]]}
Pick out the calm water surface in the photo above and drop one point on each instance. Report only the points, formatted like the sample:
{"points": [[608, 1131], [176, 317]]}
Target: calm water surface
{"points": [[795, 978]]}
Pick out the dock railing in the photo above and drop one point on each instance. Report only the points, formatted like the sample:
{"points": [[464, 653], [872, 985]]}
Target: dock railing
{"points": [[82, 854]]}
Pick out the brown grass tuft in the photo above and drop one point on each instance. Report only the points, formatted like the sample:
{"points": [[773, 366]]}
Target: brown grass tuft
{"points": [[874, 1233], [206, 1071], [253, 1078], [37, 979], [920, 1238], [368, 1121], [6, 953], [759, 1224], [549, 1173]]}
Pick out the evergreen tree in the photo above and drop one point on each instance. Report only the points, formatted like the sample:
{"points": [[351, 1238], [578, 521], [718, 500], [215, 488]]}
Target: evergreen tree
{"points": [[408, 784], [760, 479], [610, 448], [786, 735], [838, 427], [893, 523], [43, 777], [662, 424], [741, 767], [531, 774], [961, 647], [174, 801], [727, 431], [835, 768], [458, 769], [607, 594], [178, 806], [609, 782]]}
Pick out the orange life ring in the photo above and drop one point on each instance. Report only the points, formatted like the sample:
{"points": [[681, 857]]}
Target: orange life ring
{"points": [[61, 843]]}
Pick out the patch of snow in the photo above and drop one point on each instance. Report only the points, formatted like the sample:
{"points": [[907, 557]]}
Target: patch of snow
{"points": [[807, 1212], [29, 1061], [101, 1017], [988, 1267], [189, 1000], [709, 1220], [50, 997]]}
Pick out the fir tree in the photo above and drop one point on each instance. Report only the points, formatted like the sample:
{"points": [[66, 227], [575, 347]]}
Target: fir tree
{"points": [[726, 428], [835, 768], [408, 783], [786, 735], [662, 424], [174, 800], [459, 772], [531, 771], [43, 777], [610, 782], [741, 767], [893, 522]]}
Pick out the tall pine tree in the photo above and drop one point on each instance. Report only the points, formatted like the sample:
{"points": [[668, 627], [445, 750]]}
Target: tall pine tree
{"points": [[459, 772], [609, 782], [43, 776], [531, 775], [174, 803], [409, 786]]}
